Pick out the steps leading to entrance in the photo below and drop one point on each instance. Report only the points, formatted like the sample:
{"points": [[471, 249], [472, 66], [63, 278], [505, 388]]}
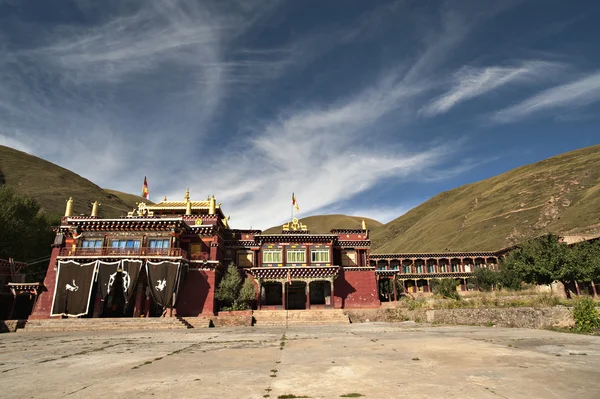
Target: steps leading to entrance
{"points": [[103, 324], [299, 317], [199, 322]]}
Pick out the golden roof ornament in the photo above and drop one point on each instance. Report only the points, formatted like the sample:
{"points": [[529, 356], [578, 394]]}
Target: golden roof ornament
{"points": [[364, 225], [95, 206], [295, 225], [69, 208], [141, 211], [212, 209]]}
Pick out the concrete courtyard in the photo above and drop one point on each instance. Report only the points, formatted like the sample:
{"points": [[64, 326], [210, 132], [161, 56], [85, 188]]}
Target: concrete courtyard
{"points": [[374, 360]]}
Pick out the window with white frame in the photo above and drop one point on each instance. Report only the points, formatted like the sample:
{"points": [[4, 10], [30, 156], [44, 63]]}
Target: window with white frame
{"points": [[348, 258], [272, 256], [296, 256], [125, 244], [159, 243], [319, 256], [91, 244], [406, 269], [431, 269]]}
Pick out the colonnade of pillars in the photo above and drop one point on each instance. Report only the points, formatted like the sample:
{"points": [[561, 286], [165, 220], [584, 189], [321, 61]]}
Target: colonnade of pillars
{"points": [[434, 265]]}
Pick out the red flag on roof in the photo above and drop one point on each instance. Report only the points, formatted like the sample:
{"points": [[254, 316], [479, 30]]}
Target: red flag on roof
{"points": [[145, 189], [295, 202]]}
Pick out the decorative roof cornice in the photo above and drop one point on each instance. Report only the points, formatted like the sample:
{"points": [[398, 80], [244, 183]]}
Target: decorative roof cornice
{"points": [[427, 255], [349, 231], [357, 243], [282, 273]]}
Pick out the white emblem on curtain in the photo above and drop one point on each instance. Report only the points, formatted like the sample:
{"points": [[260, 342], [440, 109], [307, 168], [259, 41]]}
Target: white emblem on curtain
{"points": [[126, 281], [161, 284], [73, 287]]}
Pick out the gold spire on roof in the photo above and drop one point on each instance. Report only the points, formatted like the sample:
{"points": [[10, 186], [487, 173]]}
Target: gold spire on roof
{"points": [[188, 204], [95, 206], [364, 225], [69, 208], [165, 199], [213, 205]]}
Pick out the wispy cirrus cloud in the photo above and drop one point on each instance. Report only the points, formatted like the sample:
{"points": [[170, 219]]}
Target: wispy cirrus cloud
{"points": [[577, 93], [471, 82], [92, 97]]}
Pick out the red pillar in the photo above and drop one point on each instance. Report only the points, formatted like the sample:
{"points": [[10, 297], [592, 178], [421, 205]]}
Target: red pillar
{"points": [[283, 297], [307, 295], [139, 297], [97, 312], [393, 279], [332, 296]]}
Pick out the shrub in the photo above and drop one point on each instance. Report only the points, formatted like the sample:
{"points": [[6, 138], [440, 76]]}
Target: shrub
{"points": [[445, 287], [586, 315], [232, 293], [485, 279]]}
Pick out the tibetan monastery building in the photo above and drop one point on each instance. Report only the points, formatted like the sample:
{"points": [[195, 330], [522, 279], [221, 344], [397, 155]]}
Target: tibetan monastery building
{"points": [[167, 259]]}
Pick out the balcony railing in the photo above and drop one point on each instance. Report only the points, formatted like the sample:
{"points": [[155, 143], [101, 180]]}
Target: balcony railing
{"points": [[110, 252]]}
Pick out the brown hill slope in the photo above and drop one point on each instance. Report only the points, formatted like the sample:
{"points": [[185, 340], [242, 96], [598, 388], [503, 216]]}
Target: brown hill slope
{"points": [[131, 200], [560, 195], [51, 185], [325, 223]]}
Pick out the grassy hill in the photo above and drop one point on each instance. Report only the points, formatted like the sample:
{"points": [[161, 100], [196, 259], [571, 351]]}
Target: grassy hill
{"points": [[325, 223], [131, 200], [51, 185], [560, 195]]}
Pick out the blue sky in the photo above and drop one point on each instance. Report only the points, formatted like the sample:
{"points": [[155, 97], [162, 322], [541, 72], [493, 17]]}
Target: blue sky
{"points": [[359, 107]]}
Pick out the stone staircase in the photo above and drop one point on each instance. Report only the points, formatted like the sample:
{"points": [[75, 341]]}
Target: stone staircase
{"points": [[299, 317], [103, 324], [199, 322]]}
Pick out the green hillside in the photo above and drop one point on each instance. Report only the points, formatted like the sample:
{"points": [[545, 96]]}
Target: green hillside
{"points": [[560, 194], [325, 223], [51, 185]]}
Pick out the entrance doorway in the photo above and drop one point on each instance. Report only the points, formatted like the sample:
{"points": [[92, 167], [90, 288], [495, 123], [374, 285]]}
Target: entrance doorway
{"points": [[320, 293], [114, 303], [271, 294], [296, 295]]}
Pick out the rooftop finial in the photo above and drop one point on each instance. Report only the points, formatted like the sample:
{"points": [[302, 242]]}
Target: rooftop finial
{"points": [[364, 224], [95, 205], [165, 199], [212, 207], [69, 208]]}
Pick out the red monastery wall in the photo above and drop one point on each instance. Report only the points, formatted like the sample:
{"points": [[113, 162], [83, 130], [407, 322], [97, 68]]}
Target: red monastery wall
{"points": [[197, 294], [43, 305], [356, 289]]}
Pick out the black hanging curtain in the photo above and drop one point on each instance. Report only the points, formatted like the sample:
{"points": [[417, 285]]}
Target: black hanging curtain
{"points": [[73, 288], [162, 280], [131, 272], [107, 272]]}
